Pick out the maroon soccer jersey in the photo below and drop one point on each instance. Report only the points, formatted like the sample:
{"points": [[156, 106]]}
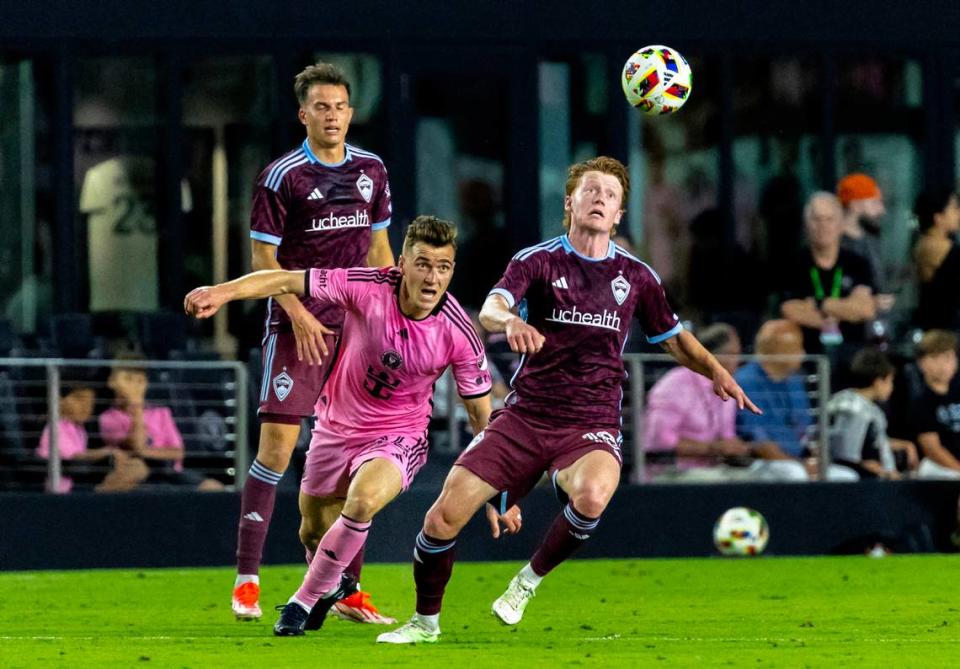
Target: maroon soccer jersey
{"points": [[319, 215], [583, 307]]}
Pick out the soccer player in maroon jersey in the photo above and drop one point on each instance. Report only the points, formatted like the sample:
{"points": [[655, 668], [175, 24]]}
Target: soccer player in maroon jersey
{"points": [[581, 292], [324, 204]]}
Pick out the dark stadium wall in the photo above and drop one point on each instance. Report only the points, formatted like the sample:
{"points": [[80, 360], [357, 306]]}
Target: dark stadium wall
{"points": [[194, 529], [372, 23]]}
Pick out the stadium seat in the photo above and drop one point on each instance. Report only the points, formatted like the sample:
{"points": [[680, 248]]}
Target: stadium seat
{"points": [[72, 335]]}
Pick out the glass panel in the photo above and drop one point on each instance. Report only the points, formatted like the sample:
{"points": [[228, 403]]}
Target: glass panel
{"points": [[573, 121], [879, 130], [673, 169], [114, 159], [462, 132], [227, 111], [26, 207], [777, 159]]}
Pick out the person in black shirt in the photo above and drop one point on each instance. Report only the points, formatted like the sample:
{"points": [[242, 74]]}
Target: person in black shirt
{"points": [[938, 259], [936, 410], [828, 292]]}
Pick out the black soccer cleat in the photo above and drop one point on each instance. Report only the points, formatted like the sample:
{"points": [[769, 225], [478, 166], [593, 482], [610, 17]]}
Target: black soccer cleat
{"points": [[348, 586], [292, 620]]}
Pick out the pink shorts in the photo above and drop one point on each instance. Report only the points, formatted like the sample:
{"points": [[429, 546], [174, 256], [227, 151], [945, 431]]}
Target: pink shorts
{"points": [[332, 459], [289, 388]]}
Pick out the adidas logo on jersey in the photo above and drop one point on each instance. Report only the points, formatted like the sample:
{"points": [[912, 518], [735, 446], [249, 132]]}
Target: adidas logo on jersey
{"points": [[254, 516], [561, 283], [315, 195]]}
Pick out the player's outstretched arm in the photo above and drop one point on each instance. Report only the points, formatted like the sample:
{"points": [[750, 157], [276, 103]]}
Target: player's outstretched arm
{"points": [[686, 350], [496, 316], [205, 301]]}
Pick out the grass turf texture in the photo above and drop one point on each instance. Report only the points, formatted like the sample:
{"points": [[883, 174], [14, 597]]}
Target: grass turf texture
{"points": [[898, 611]]}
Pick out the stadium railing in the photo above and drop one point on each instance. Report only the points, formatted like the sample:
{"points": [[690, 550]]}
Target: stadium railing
{"points": [[645, 369], [208, 400]]}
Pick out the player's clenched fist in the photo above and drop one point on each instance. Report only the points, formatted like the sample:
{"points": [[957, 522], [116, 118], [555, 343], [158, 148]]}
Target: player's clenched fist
{"points": [[523, 337], [203, 302]]}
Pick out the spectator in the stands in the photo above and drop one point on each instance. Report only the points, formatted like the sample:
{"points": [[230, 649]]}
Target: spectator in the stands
{"points": [[863, 209], [935, 411], [148, 432], [77, 398], [686, 420], [777, 387], [938, 260], [858, 426]]}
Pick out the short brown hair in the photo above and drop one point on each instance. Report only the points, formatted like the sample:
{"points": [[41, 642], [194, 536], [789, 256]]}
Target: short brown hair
{"points": [[869, 365], [319, 73], [123, 359], [935, 342], [430, 230], [603, 164]]}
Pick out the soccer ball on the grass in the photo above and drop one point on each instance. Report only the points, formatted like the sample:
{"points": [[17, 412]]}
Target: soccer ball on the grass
{"points": [[656, 80], [741, 531]]}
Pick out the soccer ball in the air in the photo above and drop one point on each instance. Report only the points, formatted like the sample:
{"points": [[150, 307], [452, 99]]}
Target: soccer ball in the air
{"points": [[656, 80], [741, 531]]}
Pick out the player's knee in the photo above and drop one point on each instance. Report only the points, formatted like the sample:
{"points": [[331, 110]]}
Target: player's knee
{"points": [[591, 500], [310, 537], [363, 507], [442, 523], [275, 449]]}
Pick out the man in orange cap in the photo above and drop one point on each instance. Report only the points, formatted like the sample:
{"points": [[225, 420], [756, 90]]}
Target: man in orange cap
{"points": [[863, 209]]}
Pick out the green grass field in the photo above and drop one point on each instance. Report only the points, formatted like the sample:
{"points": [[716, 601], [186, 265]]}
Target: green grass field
{"points": [[899, 611]]}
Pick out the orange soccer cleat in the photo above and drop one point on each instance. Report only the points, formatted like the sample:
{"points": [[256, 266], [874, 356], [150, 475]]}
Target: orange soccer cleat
{"points": [[359, 609], [246, 604]]}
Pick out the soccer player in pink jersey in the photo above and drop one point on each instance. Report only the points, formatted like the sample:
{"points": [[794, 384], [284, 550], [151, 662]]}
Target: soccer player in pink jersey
{"points": [[563, 417], [371, 434], [324, 204]]}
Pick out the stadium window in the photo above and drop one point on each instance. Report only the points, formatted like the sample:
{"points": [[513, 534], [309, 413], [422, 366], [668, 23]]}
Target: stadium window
{"points": [[674, 167], [227, 115], [777, 156], [115, 151], [879, 126], [26, 211], [462, 132], [573, 125]]}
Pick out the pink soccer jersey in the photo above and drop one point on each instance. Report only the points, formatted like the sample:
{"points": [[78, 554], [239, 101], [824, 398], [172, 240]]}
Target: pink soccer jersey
{"points": [[383, 380], [162, 432]]}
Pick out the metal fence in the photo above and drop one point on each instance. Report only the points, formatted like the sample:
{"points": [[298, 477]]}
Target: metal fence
{"points": [[644, 370], [207, 400], [211, 403]]}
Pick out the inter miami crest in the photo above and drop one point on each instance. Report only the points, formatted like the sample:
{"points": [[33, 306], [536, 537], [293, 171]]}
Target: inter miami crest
{"points": [[391, 360], [621, 288], [282, 385], [365, 186]]}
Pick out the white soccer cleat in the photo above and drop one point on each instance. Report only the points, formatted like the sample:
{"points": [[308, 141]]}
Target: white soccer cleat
{"points": [[245, 602], [413, 631], [510, 605]]}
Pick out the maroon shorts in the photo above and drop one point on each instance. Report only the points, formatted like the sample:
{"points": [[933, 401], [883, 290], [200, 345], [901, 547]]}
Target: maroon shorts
{"points": [[514, 451], [289, 388]]}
